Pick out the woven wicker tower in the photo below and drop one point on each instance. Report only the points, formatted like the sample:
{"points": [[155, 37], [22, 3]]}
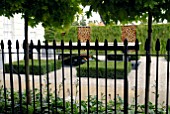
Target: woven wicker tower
{"points": [[83, 34], [129, 33]]}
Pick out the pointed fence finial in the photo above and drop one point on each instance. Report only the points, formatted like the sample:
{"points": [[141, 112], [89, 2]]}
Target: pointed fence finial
{"points": [[157, 46], [54, 43], [87, 43], [9, 44], [137, 45], [24, 46], [31, 44], [96, 43], [79, 43], [70, 43], [115, 43], [147, 45], [17, 44], [125, 42], [46, 44], [62, 43], [2, 44], [168, 45], [105, 43]]}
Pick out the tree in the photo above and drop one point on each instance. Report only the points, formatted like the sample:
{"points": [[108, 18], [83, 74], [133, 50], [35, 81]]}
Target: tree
{"points": [[130, 10], [58, 13]]}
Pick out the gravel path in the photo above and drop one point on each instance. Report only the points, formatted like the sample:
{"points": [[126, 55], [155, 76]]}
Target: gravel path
{"points": [[110, 86]]}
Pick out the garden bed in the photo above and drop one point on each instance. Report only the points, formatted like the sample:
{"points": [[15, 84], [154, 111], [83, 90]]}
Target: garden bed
{"points": [[36, 68], [101, 70]]}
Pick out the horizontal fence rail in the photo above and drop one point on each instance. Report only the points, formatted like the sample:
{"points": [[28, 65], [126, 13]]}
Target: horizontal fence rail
{"points": [[89, 78]]}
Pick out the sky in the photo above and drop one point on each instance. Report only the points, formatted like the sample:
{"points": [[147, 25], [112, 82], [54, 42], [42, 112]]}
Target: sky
{"points": [[95, 16]]}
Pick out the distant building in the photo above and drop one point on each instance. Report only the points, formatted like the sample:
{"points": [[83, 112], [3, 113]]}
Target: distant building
{"points": [[13, 29]]}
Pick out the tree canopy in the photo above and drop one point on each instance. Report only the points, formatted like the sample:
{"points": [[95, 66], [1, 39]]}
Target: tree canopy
{"points": [[129, 10], [53, 13], [58, 13]]}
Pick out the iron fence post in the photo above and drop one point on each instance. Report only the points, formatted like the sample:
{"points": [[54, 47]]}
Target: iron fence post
{"points": [[3, 66], [125, 77], [136, 75], [167, 92], [157, 48], [11, 76], [115, 85]]}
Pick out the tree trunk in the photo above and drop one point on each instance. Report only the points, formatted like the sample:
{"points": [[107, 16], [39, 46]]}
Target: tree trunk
{"points": [[148, 61], [27, 61]]}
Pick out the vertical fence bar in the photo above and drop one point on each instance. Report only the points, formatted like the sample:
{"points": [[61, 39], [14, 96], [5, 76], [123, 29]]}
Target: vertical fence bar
{"points": [[105, 46], [125, 78], [55, 74], [148, 60], [26, 76], [47, 68], [88, 91], [167, 92], [19, 77], [62, 51], [33, 81], [79, 59], [11, 76], [115, 91], [3, 62], [97, 75], [157, 48], [40, 78], [136, 75], [71, 75]]}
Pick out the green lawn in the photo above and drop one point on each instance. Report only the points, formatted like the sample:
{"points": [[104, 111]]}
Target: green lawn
{"points": [[36, 68], [102, 69]]}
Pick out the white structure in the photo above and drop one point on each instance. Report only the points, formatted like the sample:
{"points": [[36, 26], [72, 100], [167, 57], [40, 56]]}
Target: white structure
{"points": [[13, 29]]}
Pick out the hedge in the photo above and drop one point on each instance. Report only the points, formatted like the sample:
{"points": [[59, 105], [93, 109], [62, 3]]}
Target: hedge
{"points": [[110, 33], [101, 69], [36, 67]]}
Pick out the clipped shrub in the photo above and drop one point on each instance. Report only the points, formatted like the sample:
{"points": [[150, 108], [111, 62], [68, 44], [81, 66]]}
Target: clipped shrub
{"points": [[111, 33], [36, 69], [101, 69], [56, 105]]}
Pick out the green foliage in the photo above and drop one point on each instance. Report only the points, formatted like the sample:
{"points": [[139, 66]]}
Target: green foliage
{"points": [[111, 33], [129, 10], [105, 32], [35, 69], [56, 105], [108, 32], [58, 13], [160, 31], [55, 34], [101, 69]]}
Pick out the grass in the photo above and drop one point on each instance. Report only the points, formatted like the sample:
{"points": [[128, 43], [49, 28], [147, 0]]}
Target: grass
{"points": [[102, 69], [37, 69]]}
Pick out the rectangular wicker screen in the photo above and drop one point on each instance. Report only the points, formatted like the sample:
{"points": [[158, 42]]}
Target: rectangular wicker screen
{"points": [[129, 33], [83, 34]]}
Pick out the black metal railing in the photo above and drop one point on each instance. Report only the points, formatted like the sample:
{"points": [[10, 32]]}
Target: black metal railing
{"points": [[55, 90]]}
